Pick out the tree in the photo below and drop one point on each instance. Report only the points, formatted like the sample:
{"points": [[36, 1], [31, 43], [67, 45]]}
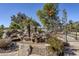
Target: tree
{"points": [[19, 17], [1, 26], [56, 45], [1, 30], [64, 20], [71, 24], [48, 16], [78, 27], [21, 21], [76, 30], [14, 25], [33, 23]]}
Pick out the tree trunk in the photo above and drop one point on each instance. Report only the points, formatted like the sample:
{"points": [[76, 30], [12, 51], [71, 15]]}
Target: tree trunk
{"points": [[76, 34], [66, 34], [28, 30], [35, 29]]}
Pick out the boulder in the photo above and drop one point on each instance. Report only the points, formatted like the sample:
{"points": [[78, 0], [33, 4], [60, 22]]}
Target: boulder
{"points": [[4, 34], [24, 49], [5, 42]]}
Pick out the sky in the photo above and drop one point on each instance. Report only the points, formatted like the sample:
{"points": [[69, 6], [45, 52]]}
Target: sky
{"points": [[30, 9], [72, 11]]}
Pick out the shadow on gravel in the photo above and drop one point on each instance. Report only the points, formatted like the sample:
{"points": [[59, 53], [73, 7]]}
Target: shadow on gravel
{"points": [[12, 47], [68, 51]]}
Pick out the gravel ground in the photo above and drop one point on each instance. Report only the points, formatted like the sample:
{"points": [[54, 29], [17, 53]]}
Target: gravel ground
{"points": [[9, 54], [23, 50], [74, 45]]}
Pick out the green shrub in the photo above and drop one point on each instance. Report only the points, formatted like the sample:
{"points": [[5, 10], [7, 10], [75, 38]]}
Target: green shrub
{"points": [[15, 26], [55, 45], [1, 33], [40, 30]]}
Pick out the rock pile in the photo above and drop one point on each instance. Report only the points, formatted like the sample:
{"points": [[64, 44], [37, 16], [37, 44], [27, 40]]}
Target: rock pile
{"points": [[19, 35]]}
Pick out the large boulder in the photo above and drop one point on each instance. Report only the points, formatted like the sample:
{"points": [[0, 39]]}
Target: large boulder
{"points": [[24, 49], [5, 42], [5, 34], [16, 35]]}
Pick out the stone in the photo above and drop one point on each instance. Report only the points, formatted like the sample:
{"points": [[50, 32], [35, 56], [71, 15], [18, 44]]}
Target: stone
{"points": [[24, 50], [5, 42], [4, 34], [41, 50]]}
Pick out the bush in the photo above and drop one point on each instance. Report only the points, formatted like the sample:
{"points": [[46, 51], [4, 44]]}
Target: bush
{"points": [[1, 33], [15, 26], [40, 30], [1, 30], [55, 45]]}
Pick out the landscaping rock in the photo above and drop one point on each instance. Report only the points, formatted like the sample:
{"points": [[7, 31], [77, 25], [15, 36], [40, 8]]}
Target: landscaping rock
{"points": [[24, 49], [5, 42]]}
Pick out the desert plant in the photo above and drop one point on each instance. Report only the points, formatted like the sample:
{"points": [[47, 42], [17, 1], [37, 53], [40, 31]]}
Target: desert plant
{"points": [[55, 45], [1, 30], [15, 25], [1, 33], [64, 19], [40, 30], [49, 16]]}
